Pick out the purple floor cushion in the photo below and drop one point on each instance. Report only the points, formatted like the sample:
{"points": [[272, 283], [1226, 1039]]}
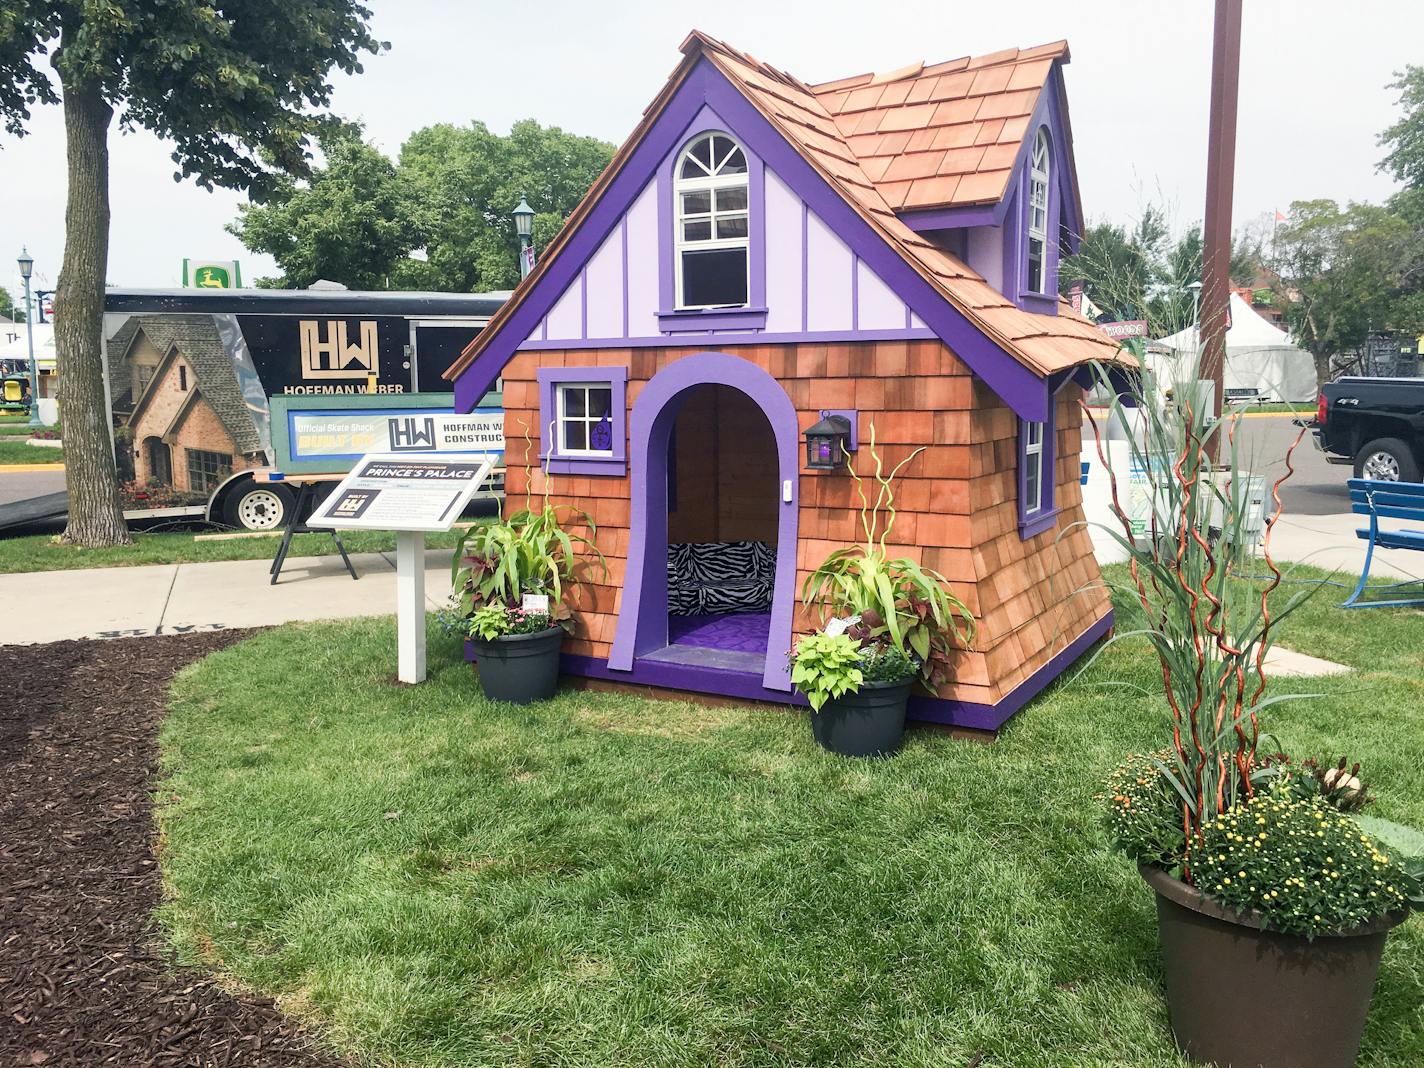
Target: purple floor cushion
{"points": [[743, 632]]}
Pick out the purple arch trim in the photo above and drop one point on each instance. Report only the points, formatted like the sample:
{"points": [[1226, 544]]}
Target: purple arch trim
{"points": [[642, 618]]}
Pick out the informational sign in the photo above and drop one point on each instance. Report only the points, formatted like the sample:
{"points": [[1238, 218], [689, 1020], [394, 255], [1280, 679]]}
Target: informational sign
{"points": [[410, 494], [317, 435], [211, 274], [1124, 329], [395, 491], [331, 433]]}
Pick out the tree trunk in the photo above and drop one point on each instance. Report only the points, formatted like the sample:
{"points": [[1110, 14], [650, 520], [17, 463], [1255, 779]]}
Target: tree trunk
{"points": [[1322, 368], [95, 513]]}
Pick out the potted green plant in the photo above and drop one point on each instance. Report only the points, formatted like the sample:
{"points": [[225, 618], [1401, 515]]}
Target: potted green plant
{"points": [[898, 617], [511, 578], [1273, 901]]}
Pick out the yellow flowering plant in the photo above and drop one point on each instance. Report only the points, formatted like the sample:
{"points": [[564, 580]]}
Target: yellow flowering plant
{"points": [[1143, 812], [1299, 863]]}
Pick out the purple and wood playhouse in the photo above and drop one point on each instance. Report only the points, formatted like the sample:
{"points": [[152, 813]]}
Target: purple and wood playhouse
{"points": [[762, 253]]}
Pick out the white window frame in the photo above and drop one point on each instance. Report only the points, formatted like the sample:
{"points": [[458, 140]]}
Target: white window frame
{"points": [[711, 183], [562, 418], [1040, 171], [1033, 468]]}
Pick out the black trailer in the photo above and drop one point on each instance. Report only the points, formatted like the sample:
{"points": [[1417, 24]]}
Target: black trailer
{"points": [[190, 374]]}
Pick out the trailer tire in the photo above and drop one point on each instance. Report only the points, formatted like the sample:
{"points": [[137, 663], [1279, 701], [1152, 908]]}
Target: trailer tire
{"points": [[1387, 460], [258, 506]]}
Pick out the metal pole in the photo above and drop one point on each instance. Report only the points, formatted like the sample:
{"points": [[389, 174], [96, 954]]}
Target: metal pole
{"points": [[526, 261], [1220, 169], [34, 367]]}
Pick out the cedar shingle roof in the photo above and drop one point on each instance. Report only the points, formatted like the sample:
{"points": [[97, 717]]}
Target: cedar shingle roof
{"points": [[1045, 343], [854, 131]]}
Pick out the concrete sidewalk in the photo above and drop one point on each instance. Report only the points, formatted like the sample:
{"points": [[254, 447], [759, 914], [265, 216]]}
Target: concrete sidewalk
{"points": [[1329, 542], [173, 598], [121, 602]]}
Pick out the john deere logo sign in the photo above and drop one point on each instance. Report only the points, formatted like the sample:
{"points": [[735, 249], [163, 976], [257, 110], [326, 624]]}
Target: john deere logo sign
{"points": [[211, 274]]}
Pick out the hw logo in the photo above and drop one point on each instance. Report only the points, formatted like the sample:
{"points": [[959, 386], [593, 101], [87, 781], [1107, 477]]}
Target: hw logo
{"points": [[332, 356], [411, 434]]}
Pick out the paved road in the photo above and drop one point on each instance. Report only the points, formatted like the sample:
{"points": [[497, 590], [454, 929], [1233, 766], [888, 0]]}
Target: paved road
{"points": [[18, 485], [1315, 487]]}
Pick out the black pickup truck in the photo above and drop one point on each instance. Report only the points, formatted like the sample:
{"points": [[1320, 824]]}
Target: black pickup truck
{"points": [[1377, 424]]}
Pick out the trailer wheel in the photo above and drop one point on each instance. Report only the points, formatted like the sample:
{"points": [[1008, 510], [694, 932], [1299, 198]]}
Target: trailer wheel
{"points": [[258, 506], [1386, 460]]}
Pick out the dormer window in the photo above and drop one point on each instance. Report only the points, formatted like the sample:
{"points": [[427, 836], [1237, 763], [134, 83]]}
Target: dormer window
{"points": [[1038, 213], [711, 240]]}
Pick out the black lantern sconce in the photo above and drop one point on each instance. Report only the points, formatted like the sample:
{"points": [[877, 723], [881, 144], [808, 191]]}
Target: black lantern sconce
{"points": [[828, 441]]}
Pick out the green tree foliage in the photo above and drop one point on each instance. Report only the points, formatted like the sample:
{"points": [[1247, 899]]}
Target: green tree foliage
{"points": [[1144, 271], [10, 308], [1405, 138], [349, 221], [1348, 270], [450, 195], [236, 88]]}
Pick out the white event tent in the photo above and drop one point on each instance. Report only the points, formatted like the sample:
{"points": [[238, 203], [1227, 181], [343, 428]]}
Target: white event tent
{"points": [[1259, 356]]}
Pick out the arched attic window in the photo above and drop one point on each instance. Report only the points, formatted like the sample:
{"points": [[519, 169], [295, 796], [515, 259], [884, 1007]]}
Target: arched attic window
{"points": [[711, 242], [1038, 192]]}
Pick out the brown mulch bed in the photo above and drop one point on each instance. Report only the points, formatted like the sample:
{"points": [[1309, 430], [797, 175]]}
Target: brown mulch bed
{"points": [[83, 977]]}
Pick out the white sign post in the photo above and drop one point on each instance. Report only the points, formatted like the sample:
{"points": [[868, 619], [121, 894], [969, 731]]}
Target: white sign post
{"points": [[409, 493]]}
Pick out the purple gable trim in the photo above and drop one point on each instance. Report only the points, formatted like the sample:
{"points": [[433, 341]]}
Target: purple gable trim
{"points": [[623, 227], [549, 457], [955, 218], [854, 292], [1016, 384], [739, 335], [642, 625], [708, 120], [748, 687]]}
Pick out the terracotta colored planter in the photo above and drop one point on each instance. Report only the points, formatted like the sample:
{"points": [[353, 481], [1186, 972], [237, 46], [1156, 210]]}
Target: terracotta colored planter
{"points": [[519, 668], [870, 722], [1242, 997]]}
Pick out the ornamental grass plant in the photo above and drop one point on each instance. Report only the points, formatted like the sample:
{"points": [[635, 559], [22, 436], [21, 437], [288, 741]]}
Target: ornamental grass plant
{"points": [[1250, 830], [892, 602]]}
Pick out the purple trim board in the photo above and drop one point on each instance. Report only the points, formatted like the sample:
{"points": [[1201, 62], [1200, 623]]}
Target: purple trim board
{"points": [[1017, 385], [722, 339], [642, 625], [748, 687]]}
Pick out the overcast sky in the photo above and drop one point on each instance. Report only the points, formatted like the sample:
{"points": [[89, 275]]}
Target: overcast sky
{"points": [[1313, 98]]}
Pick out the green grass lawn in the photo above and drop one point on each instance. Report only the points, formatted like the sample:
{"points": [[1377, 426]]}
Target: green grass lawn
{"points": [[42, 552], [13, 450], [429, 878]]}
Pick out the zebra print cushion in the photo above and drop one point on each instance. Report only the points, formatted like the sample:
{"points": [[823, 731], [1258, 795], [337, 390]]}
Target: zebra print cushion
{"points": [[720, 577]]}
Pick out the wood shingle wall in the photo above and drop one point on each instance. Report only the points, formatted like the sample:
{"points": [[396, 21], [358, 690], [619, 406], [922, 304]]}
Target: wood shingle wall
{"points": [[956, 502]]}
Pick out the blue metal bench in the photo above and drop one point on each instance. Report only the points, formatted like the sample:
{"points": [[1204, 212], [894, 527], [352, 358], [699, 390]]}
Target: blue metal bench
{"points": [[1387, 500]]}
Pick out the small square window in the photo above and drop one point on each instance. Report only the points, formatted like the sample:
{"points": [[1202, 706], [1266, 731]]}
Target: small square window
{"points": [[583, 415], [585, 419]]}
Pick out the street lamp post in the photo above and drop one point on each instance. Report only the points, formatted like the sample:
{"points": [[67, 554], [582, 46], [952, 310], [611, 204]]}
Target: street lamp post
{"points": [[524, 227], [27, 265], [1196, 287]]}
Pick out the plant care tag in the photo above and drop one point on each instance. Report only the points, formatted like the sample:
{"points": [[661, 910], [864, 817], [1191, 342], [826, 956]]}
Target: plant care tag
{"points": [[837, 627], [536, 602]]}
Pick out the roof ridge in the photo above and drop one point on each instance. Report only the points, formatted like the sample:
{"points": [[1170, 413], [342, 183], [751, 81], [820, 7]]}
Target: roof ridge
{"points": [[914, 70]]}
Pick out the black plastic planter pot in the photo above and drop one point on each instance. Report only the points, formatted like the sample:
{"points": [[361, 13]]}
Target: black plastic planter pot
{"points": [[870, 722], [1241, 997], [520, 667]]}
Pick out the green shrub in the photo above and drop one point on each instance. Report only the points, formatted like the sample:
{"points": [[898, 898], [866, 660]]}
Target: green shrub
{"points": [[826, 666], [1144, 810], [493, 620], [1305, 867]]}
